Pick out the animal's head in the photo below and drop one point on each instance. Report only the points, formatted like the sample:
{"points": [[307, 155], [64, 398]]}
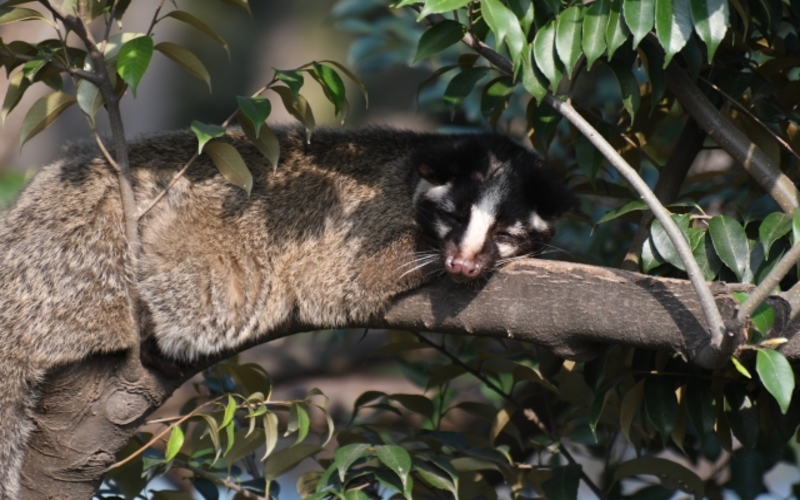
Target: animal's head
{"points": [[486, 199]]}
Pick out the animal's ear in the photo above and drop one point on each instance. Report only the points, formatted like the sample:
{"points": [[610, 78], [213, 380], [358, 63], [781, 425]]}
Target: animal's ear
{"points": [[426, 172], [430, 165]]}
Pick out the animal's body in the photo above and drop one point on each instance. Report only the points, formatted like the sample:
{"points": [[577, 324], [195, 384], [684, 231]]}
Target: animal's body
{"points": [[346, 222]]}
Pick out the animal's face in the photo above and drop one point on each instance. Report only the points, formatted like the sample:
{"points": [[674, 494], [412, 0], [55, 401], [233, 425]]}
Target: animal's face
{"points": [[484, 199]]}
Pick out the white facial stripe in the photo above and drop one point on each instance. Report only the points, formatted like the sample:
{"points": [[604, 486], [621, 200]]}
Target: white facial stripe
{"points": [[441, 229], [481, 219], [538, 223], [516, 229], [423, 186], [437, 193]]}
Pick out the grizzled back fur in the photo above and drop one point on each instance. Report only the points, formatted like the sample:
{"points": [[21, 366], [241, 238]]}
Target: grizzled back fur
{"points": [[347, 222]]}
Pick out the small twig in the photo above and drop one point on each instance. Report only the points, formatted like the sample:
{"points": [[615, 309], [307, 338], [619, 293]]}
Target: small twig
{"points": [[86, 75], [164, 191], [155, 17], [110, 21], [749, 113], [528, 412], [769, 283], [164, 432], [219, 480]]}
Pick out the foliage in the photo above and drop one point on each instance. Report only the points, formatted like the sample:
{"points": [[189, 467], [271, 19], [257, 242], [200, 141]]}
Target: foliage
{"points": [[638, 414]]}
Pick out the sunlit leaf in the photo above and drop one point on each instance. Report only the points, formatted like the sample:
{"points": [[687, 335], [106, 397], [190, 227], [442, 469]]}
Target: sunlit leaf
{"points": [[90, 99], [436, 477], [505, 26], [664, 245], [616, 29], [231, 165], [10, 15], [43, 113], [544, 53], [199, 25], [773, 227], [730, 242], [346, 455], [352, 77], [270, 421], [568, 37], [205, 132], [777, 376], [185, 59], [133, 59], [532, 78], [332, 85], [174, 444], [293, 79], [639, 16], [673, 26], [257, 109], [710, 22], [438, 38], [595, 22], [17, 86], [439, 6], [396, 458]]}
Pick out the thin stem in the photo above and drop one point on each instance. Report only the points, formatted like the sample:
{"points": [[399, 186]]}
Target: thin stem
{"points": [[86, 75], [769, 283], [155, 17], [219, 480], [164, 432], [529, 413]]}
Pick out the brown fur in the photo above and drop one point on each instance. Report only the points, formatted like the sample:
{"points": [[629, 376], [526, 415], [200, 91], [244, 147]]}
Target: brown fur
{"points": [[323, 241]]}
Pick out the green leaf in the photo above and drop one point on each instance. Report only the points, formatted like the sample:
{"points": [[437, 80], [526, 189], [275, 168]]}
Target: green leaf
{"points": [[115, 42], [524, 11], [505, 26], [740, 367], [710, 22], [676, 474], [267, 142], [396, 458], [257, 109], [650, 257], [352, 77], [463, 83], [43, 113], [90, 99], [439, 37], [532, 79], [616, 29], [631, 206], [133, 59], [544, 53], [244, 444], [10, 15], [639, 16], [346, 455], [661, 404], [17, 86], [629, 406], [777, 376], [303, 421], [673, 26], [174, 444], [589, 158], [293, 79], [416, 403], [763, 317], [436, 477], [240, 4], [628, 85], [495, 94], [199, 25], [663, 244], [230, 410], [205, 132], [270, 421], [568, 37], [704, 253], [298, 108], [542, 120], [287, 459], [564, 483], [773, 227], [186, 60], [231, 165], [730, 242], [439, 6], [332, 85], [595, 21]]}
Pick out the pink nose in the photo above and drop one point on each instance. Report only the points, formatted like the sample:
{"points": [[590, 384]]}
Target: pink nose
{"points": [[463, 266]]}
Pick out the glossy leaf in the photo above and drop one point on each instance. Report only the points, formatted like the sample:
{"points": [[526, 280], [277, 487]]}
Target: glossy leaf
{"points": [[524, 11], [616, 29], [205, 132], [43, 113], [664, 245], [90, 99], [777, 376], [673, 26], [396, 458], [631, 206], [17, 86], [10, 15], [439, 37], [595, 22], [773, 227], [352, 77], [462, 84], [115, 42], [346, 455], [495, 94], [439, 6], [730, 242], [298, 108], [186, 60], [231, 165], [544, 53], [710, 19], [266, 142], [505, 26], [287, 459], [568, 37], [133, 59], [300, 421], [704, 253], [332, 85], [200, 26], [436, 477], [629, 86], [740, 367], [293, 79], [257, 109], [532, 78], [661, 405], [639, 16], [763, 317], [174, 444], [662, 468]]}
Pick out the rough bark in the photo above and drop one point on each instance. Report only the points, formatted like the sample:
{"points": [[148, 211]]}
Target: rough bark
{"points": [[88, 412]]}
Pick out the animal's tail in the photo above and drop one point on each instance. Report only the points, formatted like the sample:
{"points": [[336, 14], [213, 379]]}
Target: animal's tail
{"points": [[18, 393]]}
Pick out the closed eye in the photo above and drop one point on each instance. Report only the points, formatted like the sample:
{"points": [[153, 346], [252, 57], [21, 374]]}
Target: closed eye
{"points": [[452, 218]]}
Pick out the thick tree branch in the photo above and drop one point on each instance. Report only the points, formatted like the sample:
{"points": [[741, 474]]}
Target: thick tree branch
{"points": [[572, 309]]}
